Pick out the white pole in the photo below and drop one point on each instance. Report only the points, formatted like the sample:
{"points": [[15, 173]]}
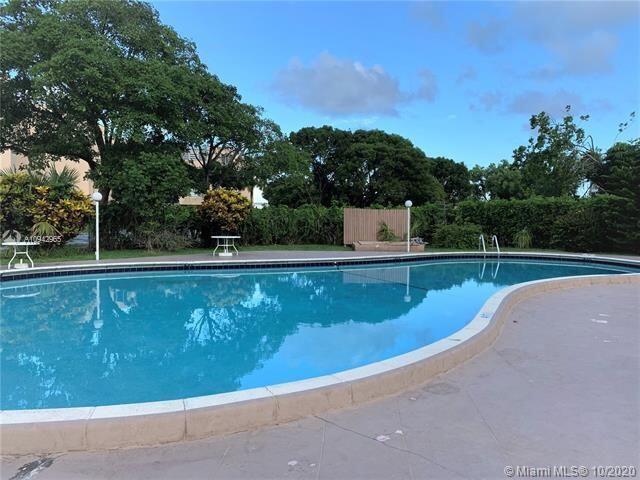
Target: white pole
{"points": [[97, 197], [408, 204], [97, 231], [408, 229]]}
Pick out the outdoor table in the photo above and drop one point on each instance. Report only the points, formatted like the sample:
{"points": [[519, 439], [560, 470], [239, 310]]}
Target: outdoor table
{"points": [[16, 251], [225, 241]]}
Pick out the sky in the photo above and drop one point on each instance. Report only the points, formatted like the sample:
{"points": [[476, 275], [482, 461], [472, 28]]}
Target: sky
{"points": [[458, 79]]}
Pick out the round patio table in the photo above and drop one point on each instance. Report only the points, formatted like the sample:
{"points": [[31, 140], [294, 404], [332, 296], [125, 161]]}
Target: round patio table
{"points": [[17, 251]]}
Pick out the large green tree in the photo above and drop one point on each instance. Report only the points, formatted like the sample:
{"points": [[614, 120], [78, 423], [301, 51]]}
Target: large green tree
{"points": [[361, 168], [558, 157], [454, 178], [92, 81], [225, 137]]}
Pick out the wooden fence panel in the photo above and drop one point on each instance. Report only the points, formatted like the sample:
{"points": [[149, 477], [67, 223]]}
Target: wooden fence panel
{"points": [[364, 223]]}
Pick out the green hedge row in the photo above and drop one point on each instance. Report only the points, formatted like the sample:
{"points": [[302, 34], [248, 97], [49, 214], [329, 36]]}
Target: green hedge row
{"points": [[602, 223], [303, 225], [596, 224]]}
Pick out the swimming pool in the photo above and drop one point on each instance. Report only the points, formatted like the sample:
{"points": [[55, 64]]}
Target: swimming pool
{"points": [[138, 337]]}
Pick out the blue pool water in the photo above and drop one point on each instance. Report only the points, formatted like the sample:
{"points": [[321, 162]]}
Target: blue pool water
{"points": [[122, 338]]}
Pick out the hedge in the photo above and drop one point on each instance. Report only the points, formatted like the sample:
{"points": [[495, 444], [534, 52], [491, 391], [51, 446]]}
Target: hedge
{"points": [[303, 225], [596, 224], [601, 223]]}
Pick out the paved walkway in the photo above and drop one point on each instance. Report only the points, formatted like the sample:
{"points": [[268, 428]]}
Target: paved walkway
{"points": [[561, 386], [255, 255]]}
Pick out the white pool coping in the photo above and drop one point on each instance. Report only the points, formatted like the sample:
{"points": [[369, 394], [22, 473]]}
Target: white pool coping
{"points": [[41, 431]]}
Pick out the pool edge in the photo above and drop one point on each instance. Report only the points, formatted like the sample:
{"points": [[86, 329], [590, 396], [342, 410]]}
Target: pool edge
{"points": [[147, 424]]}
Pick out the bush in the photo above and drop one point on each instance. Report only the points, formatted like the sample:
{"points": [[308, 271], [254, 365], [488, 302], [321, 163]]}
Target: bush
{"points": [[283, 225], [224, 210], [457, 236], [523, 239], [386, 234], [29, 206]]}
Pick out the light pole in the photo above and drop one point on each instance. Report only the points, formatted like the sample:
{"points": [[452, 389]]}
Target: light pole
{"points": [[408, 204], [97, 198]]}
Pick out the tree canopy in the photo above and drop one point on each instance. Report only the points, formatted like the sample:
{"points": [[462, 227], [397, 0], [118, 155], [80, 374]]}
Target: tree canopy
{"points": [[361, 168], [91, 81]]}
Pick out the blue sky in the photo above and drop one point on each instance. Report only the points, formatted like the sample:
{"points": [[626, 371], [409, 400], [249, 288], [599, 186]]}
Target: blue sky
{"points": [[459, 79]]}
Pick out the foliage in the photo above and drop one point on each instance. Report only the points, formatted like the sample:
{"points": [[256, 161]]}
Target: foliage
{"points": [[463, 236], [558, 159], [361, 168], [226, 137], [504, 181], [602, 223], [224, 210], [454, 178], [308, 224], [113, 78], [386, 234], [28, 204], [288, 175], [523, 239]]}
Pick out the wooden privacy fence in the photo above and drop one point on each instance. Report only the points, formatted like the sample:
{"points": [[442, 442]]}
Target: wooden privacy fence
{"points": [[363, 223]]}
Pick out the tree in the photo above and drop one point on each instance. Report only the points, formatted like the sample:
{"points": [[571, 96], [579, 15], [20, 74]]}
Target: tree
{"points": [[323, 145], [478, 181], [224, 136], [91, 81], [454, 178], [619, 172], [504, 181], [288, 179], [364, 168], [558, 159]]}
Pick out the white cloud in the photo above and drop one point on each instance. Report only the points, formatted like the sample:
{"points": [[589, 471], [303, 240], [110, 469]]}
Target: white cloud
{"points": [[340, 87], [581, 37]]}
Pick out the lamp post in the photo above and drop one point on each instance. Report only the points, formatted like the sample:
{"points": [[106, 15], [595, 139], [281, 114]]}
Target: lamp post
{"points": [[97, 198], [408, 204]]}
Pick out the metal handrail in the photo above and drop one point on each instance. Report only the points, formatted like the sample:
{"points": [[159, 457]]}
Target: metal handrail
{"points": [[494, 241], [482, 244]]}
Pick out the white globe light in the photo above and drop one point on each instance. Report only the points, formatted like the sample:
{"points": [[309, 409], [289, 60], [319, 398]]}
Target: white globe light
{"points": [[408, 204], [96, 197]]}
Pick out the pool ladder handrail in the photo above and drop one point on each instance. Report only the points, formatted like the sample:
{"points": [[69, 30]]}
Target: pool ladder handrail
{"points": [[494, 242], [482, 244]]}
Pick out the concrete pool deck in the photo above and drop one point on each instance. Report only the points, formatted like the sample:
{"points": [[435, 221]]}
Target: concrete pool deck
{"points": [[561, 386], [265, 255]]}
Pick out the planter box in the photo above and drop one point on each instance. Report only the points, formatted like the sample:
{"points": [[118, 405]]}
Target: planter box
{"points": [[371, 246]]}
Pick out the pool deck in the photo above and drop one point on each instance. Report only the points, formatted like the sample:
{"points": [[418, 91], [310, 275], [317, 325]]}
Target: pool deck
{"points": [[261, 255], [560, 387]]}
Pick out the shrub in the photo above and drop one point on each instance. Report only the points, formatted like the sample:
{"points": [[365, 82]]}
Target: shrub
{"points": [[523, 239], [386, 233], [30, 205], [457, 236], [224, 210], [283, 225]]}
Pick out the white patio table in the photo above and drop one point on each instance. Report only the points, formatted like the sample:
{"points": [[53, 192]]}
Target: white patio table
{"points": [[17, 251], [225, 241]]}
